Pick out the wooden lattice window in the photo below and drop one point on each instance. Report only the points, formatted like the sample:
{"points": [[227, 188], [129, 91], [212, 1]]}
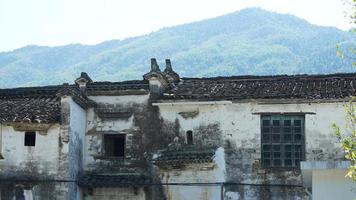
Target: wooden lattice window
{"points": [[283, 141]]}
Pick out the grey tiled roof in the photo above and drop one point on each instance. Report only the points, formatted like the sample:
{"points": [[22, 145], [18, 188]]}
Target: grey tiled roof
{"points": [[332, 86], [34, 105], [124, 85], [42, 104]]}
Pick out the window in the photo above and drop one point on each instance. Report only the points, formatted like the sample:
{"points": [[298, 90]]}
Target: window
{"points": [[30, 139], [282, 140], [189, 136], [114, 145]]}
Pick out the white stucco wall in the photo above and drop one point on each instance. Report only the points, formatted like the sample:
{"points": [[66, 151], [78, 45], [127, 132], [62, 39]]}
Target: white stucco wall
{"points": [[241, 125], [77, 124], [77, 128], [42, 158], [331, 184]]}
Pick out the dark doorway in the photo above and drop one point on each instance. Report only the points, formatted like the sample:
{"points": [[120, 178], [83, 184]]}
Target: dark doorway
{"points": [[114, 145]]}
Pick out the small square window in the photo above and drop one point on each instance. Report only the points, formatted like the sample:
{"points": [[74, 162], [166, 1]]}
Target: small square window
{"points": [[276, 130], [276, 148], [276, 154], [265, 123], [298, 148], [287, 137], [114, 145], [287, 123], [266, 147], [297, 137], [266, 137], [288, 148], [266, 130], [30, 139], [287, 130], [275, 122], [297, 130], [288, 154], [266, 155], [276, 137], [297, 154], [297, 122]]}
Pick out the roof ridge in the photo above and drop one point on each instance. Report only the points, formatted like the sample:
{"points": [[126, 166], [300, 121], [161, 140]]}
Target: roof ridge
{"points": [[268, 77], [36, 91]]}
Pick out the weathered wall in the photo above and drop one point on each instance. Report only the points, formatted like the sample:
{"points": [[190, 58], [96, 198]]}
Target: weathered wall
{"points": [[77, 127], [96, 126], [37, 163], [22, 161], [238, 125], [49, 169], [139, 121]]}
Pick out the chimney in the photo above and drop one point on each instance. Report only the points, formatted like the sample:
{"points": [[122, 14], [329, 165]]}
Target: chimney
{"points": [[170, 74], [83, 80], [168, 65], [154, 65], [157, 81]]}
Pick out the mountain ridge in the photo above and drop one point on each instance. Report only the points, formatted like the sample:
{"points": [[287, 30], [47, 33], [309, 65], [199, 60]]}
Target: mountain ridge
{"points": [[251, 41]]}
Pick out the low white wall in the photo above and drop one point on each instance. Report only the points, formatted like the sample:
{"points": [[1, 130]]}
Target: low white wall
{"points": [[193, 173], [332, 184]]}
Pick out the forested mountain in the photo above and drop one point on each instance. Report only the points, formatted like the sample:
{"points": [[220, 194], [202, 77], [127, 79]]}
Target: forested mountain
{"points": [[250, 41]]}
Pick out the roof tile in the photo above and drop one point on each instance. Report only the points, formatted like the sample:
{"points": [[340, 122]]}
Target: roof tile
{"points": [[332, 86]]}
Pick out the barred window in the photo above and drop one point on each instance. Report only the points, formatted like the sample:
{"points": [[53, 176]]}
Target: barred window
{"points": [[283, 142]]}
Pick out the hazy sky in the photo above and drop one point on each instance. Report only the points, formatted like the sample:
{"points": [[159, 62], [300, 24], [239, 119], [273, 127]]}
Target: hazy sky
{"points": [[60, 22]]}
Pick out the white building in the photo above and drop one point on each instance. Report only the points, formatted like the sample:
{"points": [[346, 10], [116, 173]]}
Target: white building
{"points": [[166, 137]]}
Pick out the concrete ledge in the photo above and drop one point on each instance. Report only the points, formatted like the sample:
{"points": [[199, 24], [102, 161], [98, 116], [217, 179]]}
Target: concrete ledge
{"points": [[319, 165]]}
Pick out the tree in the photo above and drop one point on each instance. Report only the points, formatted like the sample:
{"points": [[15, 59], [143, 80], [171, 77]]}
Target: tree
{"points": [[348, 139]]}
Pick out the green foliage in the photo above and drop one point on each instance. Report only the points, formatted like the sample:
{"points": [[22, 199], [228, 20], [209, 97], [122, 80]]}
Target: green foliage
{"points": [[251, 41], [348, 139]]}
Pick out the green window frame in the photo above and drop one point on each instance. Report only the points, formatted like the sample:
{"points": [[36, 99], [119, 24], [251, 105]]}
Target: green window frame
{"points": [[282, 140]]}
